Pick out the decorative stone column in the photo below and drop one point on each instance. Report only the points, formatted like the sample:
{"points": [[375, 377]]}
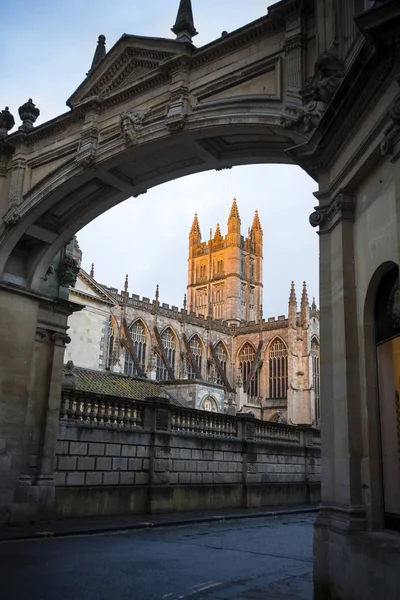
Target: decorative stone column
{"points": [[340, 379], [34, 494], [341, 424]]}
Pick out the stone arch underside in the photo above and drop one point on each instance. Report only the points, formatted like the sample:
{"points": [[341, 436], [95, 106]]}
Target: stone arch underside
{"points": [[71, 196]]}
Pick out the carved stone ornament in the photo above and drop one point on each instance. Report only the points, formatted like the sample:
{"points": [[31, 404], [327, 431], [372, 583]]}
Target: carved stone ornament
{"points": [[69, 376], [6, 122], [68, 271], [12, 216], [28, 113], [131, 122], [316, 218], [61, 338], [342, 203], [316, 93]]}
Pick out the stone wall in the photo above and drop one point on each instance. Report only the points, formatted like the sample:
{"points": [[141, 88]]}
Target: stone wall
{"points": [[153, 457]]}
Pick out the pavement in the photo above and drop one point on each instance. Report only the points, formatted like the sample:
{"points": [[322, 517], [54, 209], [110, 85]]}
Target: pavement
{"points": [[247, 558], [95, 525]]}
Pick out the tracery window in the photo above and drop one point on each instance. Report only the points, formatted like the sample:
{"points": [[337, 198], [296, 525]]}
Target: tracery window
{"points": [[220, 267], [246, 359], [223, 358], [315, 358], [251, 268], [138, 335], [110, 345], [169, 344], [196, 349], [201, 301], [218, 303], [278, 369]]}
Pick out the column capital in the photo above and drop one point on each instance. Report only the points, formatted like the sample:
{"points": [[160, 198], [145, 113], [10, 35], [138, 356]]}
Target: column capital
{"points": [[341, 208]]}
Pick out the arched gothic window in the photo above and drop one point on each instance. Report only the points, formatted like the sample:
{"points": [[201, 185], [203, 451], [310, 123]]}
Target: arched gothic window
{"points": [[169, 345], [315, 377], [278, 370], [196, 348], [110, 345], [138, 335], [246, 359], [223, 358]]}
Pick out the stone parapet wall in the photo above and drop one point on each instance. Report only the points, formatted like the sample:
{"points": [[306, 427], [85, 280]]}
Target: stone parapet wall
{"points": [[169, 459]]}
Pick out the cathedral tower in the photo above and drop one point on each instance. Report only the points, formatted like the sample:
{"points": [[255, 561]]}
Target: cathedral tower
{"points": [[225, 273]]}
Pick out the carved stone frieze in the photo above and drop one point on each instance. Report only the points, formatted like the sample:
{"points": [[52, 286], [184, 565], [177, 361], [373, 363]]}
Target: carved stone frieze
{"points": [[341, 208], [131, 123]]}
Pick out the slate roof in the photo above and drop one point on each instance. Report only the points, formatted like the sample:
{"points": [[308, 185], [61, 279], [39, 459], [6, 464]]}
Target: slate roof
{"points": [[113, 384]]}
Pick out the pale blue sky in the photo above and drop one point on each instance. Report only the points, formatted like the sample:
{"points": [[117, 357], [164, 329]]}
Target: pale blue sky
{"points": [[45, 50]]}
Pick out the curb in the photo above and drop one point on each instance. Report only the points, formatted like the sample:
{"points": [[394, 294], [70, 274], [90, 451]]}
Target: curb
{"points": [[143, 525]]}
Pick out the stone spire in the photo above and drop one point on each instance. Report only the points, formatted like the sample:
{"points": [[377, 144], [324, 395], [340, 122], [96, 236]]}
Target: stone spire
{"points": [[292, 306], [304, 305], [184, 28], [256, 223], [92, 271], [99, 54], [292, 296], [157, 296]]}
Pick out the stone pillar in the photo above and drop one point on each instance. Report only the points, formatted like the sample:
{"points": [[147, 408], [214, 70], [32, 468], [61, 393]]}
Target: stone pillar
{"points": [[341, 434], [32, 343]]}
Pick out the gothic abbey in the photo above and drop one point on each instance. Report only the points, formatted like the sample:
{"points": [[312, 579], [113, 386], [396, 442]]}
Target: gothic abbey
{"points": [[216, 353]]}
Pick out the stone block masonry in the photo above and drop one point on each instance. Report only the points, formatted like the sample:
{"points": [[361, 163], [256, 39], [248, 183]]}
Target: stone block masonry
{"points": [[176, 459]]}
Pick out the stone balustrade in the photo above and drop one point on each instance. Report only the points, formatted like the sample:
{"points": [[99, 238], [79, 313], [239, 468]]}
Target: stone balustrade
{"points": [[276, 432], [82, 408], [198, 422]]}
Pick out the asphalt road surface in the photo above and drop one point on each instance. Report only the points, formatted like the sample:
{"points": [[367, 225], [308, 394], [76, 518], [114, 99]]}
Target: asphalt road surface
{"points": [[251, 559]]}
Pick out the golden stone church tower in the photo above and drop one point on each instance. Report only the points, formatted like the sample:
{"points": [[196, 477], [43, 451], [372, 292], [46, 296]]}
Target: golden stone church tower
{"points": [[217, 352], [225, 273]]}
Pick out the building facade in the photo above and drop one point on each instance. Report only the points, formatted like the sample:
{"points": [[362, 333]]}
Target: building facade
{"points": [[217, 352]]}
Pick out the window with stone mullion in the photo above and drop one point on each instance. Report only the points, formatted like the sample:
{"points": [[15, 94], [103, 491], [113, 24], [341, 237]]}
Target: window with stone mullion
{"points": [[196, 349], [246, 358], [278, 370]]}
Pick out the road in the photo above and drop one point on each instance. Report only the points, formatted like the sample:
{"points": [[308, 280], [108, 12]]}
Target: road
{"points": [[251, 559]]}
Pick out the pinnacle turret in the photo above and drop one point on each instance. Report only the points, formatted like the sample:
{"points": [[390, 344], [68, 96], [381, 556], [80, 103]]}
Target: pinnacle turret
{"points": [[304, 295], [195, 225], [256, 223], [218, 235], [234, 214], [99, 54], [92, 271], [292, 296], [184, 28]]}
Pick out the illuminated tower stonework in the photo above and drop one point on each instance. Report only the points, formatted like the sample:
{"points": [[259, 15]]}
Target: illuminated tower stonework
{"points": [[225, 273]]}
